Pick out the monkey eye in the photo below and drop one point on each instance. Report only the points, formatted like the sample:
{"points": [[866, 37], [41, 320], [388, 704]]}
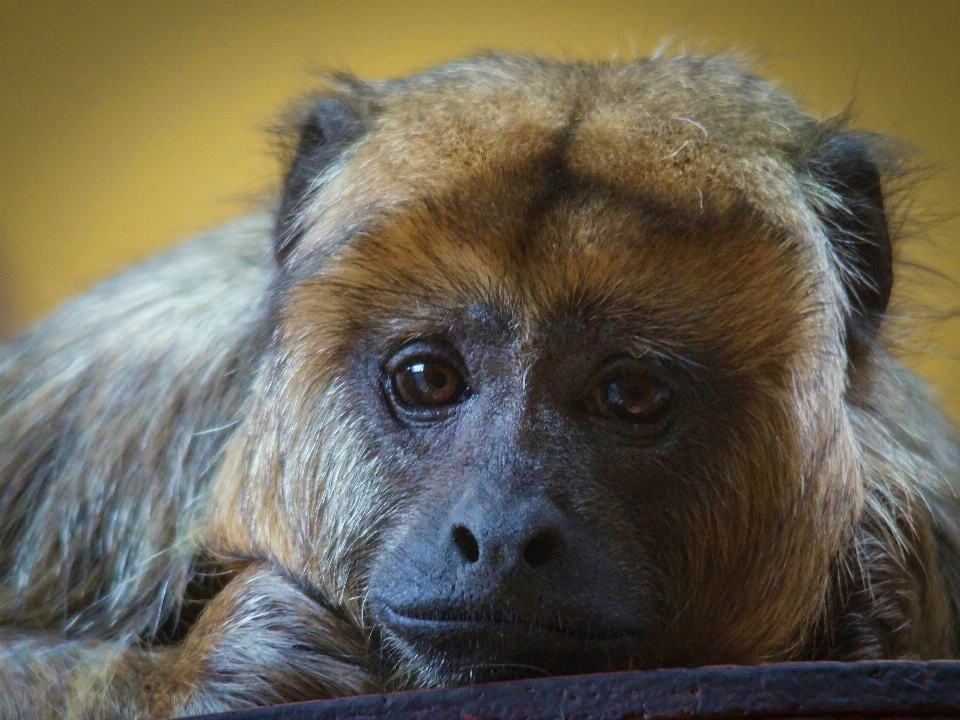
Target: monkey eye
{"points": [[631, 391], [424, 382]]}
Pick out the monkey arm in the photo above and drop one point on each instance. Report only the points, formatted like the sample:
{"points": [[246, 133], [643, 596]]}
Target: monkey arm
{"points": [[260, 641], [263, 641], [45, 676], [112, 414]]}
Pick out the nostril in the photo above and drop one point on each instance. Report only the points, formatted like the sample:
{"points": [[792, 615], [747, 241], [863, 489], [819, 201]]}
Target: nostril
{"points": [[466, 543], [540, 549]]}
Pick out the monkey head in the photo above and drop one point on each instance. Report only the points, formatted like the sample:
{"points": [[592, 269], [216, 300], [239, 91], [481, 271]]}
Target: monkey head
{"points": [[559, 372]]}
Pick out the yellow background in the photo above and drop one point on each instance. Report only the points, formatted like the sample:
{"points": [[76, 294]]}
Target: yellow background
{"points": [[125, 125]]}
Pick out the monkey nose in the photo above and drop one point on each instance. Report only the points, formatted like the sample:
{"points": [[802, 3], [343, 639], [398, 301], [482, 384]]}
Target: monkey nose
{"points": [[466, 543], [501, 545]]}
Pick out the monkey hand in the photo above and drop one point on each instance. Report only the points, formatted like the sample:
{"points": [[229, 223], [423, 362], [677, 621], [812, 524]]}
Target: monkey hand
{"points": [[262, 641]]}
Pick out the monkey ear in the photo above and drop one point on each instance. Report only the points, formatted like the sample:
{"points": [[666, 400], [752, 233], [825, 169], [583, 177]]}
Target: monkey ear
{"points": [[328, 128], [856, 225]]}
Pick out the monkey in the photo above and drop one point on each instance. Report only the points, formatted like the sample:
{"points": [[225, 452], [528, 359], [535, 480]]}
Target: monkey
{"points": [[536, 367]]}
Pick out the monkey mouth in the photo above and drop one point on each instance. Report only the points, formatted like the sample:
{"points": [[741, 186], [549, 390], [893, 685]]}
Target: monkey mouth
{"points": [[481, 647], [441, 620]]}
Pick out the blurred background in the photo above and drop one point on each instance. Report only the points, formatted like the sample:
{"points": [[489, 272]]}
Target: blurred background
{"points": [[127, 125]]}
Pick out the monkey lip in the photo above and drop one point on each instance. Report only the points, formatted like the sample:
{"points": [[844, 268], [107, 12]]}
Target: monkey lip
{"points": [[500, 646], [417, 621]]}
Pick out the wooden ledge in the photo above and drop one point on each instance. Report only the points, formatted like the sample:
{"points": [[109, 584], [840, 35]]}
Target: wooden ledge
{"points": [[786, 690]]}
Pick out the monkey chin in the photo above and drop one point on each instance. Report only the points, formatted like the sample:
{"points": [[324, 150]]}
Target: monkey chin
{"points": [[454, 647]]}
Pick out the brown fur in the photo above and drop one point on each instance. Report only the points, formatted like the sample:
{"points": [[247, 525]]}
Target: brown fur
{"points": [[199, 411]]}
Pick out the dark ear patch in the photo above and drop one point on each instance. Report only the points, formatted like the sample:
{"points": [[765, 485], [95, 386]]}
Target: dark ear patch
{"points": [[328, 128], [857, 228]]}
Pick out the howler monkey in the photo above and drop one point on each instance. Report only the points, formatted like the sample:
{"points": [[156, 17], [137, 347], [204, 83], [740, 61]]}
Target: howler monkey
{"points": [[537, 368]]}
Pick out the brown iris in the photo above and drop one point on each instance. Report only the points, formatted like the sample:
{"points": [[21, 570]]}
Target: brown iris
{"points": [[427, 383], [631, 391]]}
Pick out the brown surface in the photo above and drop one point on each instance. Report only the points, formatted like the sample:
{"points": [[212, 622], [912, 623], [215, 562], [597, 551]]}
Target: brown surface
{"points": [[795, 690]]}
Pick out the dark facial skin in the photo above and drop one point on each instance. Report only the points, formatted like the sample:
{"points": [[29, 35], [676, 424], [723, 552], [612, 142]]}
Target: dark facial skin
{"points": [[534, 467]]}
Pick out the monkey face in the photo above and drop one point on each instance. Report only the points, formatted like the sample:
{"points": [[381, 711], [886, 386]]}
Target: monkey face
{"points": [[517, 559], [559, 386], [573, 439]]}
